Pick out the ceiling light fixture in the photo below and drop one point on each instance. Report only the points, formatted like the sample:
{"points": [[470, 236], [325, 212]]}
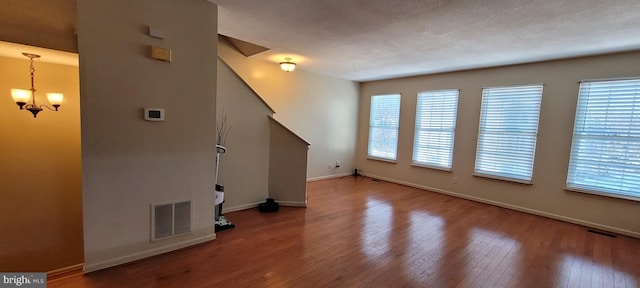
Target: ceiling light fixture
{"points": [[287, 66], [22, 96]]}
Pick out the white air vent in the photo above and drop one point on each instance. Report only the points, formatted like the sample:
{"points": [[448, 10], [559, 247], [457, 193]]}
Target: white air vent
{"points": [[170, 219]]}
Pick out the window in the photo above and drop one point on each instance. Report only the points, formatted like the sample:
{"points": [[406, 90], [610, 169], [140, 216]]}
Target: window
{"points": [[383, 126], [435, 128], [605, 152], [508, 131]]}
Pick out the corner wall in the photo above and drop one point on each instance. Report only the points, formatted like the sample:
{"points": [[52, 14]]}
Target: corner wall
{"points": [[547, 195], [321, 109], [287, 163], [40, 168], [129, 163]]}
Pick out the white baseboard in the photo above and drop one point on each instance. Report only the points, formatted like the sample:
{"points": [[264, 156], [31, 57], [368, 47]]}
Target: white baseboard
{"points": [[292, 204], [255, 205], [65, 270], [329, 177], [240, 207], [146, 253], [512, 207]]}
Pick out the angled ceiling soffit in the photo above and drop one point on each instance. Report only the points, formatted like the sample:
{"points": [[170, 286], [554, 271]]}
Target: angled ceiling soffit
{"points": [[246, 48]]}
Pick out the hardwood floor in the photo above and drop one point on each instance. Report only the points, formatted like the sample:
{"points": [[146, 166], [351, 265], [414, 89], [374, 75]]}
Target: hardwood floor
{"points": [[357, 232]]}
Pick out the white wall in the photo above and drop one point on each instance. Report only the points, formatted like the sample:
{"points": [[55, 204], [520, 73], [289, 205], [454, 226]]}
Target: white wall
{"points": [[321, 109], [547, 195], [129, 163], [244, 168]]}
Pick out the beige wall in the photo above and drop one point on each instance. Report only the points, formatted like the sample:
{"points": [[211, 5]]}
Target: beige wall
{"points": [[244, 168], [547, 195], [42, 23], [262, 159], [287, 166], [40, 182], [319, 108], [129, 163]]}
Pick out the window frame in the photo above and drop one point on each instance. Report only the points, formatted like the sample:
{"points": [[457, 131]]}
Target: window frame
{"points": [[503, 130], [395, 128], [591, 135], [450, 130]]}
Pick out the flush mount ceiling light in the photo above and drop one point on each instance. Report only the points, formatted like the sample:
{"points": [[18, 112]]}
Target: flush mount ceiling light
{"points": [[287, 66], [22, 96]]}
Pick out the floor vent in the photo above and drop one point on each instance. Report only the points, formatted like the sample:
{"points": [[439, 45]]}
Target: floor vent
{"points": [[602, 233], [170, 219]]}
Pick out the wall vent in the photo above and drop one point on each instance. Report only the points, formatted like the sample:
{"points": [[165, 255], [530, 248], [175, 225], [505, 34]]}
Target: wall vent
{"points": [[170, 219]]}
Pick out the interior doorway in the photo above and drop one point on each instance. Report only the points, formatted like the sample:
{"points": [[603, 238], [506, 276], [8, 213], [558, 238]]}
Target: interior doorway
{"points": [[41, 186]]}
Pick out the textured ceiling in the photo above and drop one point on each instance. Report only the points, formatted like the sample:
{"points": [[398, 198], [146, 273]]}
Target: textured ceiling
{"points": [[365, 40]]}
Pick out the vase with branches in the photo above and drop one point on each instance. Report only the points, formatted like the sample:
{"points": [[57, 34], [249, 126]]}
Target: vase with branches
{"points": [[223, 129]]}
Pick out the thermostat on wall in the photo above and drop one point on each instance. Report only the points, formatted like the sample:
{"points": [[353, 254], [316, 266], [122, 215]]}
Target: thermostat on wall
{"points": [[154, 114]]}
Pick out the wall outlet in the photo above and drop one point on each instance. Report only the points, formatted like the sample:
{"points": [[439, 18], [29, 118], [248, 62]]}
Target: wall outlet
{"points": [[337, 164]]}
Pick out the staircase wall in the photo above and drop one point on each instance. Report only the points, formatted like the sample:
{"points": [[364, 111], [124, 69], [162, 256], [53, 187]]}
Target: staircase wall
{"points": [[287, 166]]}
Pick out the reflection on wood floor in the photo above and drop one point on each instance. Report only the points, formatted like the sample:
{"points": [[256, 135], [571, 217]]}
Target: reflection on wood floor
{"points": [[357, 232]]}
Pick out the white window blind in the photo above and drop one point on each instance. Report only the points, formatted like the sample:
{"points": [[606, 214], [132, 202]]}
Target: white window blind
{"points": [[383, 126], [508, 131], [605, 152], [435, 128]]}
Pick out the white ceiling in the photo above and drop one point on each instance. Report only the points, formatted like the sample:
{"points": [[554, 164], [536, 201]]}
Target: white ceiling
{"points": [[365, 40]]}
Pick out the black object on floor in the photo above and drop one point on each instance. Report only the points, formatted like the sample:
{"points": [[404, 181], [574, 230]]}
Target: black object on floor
{"points": [[269, 206]]}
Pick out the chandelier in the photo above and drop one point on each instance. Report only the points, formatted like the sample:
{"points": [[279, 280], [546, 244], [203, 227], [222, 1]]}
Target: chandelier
{"points": [[22, 97]]}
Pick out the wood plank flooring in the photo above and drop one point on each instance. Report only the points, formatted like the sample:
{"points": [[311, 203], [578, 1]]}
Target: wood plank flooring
{"points": [[357, 232]]}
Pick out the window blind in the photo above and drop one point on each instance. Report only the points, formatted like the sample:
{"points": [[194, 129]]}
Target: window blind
{"points": [[605, 151], [435, 128], [508, 131], [383, 126]]}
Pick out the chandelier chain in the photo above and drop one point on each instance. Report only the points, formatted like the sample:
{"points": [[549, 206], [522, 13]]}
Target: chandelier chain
{"points": [[33, 69]]}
